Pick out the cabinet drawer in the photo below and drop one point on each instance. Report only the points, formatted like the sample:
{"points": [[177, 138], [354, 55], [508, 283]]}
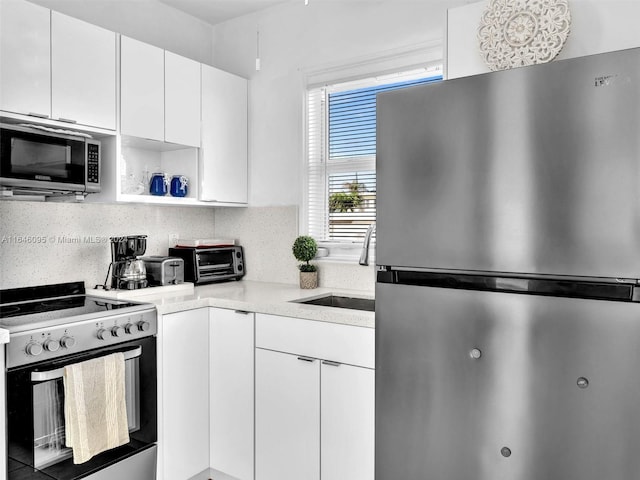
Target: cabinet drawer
{"points": [[324, 340]]}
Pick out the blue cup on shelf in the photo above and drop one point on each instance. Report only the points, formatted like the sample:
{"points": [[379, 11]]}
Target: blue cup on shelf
{"points": [[179, 186], [158, 184]]}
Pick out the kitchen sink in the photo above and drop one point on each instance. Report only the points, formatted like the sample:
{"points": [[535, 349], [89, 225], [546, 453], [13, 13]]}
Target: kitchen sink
{"points": [[367, 304]]}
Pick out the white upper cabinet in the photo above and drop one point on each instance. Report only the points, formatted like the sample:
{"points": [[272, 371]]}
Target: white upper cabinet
{"points": [[160, 94], [223, 154], [25, 58], [83, 72], [141, 89], [54, 66], [181, 100]]}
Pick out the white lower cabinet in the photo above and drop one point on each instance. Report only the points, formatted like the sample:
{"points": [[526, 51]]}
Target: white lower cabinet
{"points": [[184, 400], [314, 411], [287, 417], [231, 392], [249, 396], [347, 402]]}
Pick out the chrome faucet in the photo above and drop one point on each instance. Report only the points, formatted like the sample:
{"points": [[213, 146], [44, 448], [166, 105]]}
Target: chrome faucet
{"points": [[364, 256]]}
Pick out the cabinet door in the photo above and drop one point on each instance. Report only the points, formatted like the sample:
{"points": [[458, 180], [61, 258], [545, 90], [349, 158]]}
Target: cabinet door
{"points": [[231, 392], [223, 156], [184, 430], [83, 72], [181, 100], [141, 89], [348, 419], [25, 62], [287, 417]]}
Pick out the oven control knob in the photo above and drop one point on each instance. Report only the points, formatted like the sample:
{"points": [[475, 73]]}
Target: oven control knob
{"points": [[67, 342], [33, 349], [143, 326], [51, 345], [129, 328], [102, 334], [117, 331]]}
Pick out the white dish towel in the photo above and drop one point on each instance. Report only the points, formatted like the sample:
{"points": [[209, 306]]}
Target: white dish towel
{"points": [[95, 407]]}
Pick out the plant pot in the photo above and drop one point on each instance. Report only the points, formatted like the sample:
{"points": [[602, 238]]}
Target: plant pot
{"points": [[308, 279]]}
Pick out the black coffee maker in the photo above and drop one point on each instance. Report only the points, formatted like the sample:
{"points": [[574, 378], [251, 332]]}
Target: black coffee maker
{"points": [[127, 270]]}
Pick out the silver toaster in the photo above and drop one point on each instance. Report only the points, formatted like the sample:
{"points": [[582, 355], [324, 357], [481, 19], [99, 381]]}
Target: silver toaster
{"points": [[164, 270]]}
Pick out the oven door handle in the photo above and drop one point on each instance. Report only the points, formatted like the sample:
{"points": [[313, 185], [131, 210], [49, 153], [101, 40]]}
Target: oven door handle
{"points": [[59, 372]]}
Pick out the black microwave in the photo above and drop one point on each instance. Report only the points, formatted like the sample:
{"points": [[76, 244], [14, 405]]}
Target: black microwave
{"points": [[44, 162], [210, 264]]}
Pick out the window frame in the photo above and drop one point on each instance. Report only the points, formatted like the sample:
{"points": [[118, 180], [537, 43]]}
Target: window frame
{"points": [[399, 66]]}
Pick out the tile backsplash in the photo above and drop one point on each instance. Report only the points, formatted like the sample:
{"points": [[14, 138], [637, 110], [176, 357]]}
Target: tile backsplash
{"points": [[47, 243], [267, 235]]}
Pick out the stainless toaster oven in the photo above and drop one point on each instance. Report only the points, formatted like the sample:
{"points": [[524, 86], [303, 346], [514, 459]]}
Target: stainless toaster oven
{"points": [[211, 264]]}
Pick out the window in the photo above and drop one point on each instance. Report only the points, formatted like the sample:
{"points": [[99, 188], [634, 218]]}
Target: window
{"points": [[341, 194]]}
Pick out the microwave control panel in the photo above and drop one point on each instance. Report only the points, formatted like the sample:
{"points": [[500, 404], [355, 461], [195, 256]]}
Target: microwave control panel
{"points": [[93, 163]]}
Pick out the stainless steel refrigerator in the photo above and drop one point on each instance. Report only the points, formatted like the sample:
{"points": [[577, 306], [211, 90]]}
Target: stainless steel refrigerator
{"points": [[508, 258]]}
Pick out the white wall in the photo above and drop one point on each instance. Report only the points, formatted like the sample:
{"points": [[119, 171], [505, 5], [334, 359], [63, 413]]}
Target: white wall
{"points": [[295, 40], [146, 20], [597, 26]]}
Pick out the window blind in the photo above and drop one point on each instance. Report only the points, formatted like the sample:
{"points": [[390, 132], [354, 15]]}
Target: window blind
{"points": [[341, 158]]}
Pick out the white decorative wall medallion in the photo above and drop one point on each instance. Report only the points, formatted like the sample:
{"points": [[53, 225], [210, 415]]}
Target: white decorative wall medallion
{"points": [[515, 33]]}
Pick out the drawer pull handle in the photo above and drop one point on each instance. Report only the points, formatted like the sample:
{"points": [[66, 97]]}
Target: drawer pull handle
{"points": [[242, 312], [330, 363], [307, 359], [38, 115]]}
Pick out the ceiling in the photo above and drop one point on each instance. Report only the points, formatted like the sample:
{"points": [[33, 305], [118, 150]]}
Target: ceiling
{"points": [[218, 11]]}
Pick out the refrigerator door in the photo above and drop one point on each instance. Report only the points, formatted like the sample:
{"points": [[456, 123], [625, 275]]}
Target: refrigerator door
{"points": [[534, 169], [496, 386]]}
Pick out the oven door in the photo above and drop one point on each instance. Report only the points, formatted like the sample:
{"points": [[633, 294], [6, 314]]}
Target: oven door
{"points": [[36, 424]]}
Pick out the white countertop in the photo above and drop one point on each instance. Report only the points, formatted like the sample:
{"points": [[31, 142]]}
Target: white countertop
{"points": [[263, 297]]}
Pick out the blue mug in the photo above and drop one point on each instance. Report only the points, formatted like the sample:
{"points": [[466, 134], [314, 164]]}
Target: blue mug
{"points": [[158, 184], [179, 185]]}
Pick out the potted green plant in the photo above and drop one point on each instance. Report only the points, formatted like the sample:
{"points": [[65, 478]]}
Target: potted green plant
{"points": [[305, 249]]}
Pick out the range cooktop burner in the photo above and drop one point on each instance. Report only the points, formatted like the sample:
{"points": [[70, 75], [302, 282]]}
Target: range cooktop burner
{"points": [[63, 302], [31, 308], [54, 321]]}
